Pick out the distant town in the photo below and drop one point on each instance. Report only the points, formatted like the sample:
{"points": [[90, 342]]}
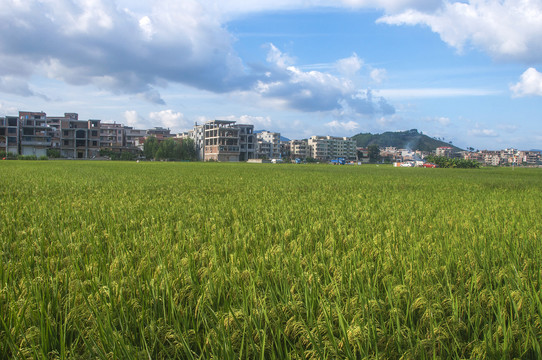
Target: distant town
{"points": [[35, 134]]}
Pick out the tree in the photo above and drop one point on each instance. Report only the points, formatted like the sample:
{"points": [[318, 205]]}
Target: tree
{"points": [[53, 153], [150, 147], [167, 150], [374, 153], [188, 149], [445, 162], [127, 156]]}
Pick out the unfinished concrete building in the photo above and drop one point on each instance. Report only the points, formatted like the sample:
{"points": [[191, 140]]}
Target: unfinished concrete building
{"points": [[35, 135], [221, 141], [224, 140], [9, 134], [74, 138], [247, 142]]}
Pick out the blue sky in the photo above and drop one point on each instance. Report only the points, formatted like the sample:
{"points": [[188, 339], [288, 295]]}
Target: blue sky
{"points": [[465, 71]]}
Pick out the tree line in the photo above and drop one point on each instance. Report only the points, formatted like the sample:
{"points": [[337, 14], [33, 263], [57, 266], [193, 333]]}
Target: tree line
{"points": [[169, 149], [444, 162]]}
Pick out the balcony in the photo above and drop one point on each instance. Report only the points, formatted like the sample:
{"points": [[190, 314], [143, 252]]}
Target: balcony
{"points": [[36, 142]]}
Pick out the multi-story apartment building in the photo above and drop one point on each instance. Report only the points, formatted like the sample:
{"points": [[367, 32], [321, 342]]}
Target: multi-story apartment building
{"points": [[325, 148], [133, 138], [319, 148], [299, 149], [284, 148], [529, 157], [223, 140], [198, 135], [492, 158], [111, 136], [247, 142], [509, 156], [506, 157], [160, 133], [475, 156], [268, 145], [74, 138], [35, 135], [9, 134], [446, 151]]}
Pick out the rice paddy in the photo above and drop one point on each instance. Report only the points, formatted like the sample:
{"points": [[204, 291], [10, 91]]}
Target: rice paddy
{"points": [[124, 260]]}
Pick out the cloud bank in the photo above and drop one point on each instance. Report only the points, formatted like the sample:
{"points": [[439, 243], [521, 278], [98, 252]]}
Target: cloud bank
{"points": [[138, 48], [98, 43]]}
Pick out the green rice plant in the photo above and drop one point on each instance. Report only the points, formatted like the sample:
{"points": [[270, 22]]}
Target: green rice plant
{"points": [[211, 260]]}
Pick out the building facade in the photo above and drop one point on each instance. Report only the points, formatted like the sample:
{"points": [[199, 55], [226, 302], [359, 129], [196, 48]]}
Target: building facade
{"points": [[133, 138], [223, 140], [299, 149], [247, 142], [325, 148], [268, 145], [74, 138], [34, 134], [9, 134], [112, 136]]}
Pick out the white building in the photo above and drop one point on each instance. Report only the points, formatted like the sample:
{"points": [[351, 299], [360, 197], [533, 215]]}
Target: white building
{"points": [[325, 148], [268, 145], [299, 149]]}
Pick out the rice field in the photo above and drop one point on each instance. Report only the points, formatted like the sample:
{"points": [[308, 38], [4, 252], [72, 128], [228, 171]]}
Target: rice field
{"points": [[124, 260]]}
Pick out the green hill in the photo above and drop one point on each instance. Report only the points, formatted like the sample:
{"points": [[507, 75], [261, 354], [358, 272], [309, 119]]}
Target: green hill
{"points": [[410, 139]]}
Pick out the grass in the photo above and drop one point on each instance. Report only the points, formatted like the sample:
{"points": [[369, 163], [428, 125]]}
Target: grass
{"points": [[195, 261]]}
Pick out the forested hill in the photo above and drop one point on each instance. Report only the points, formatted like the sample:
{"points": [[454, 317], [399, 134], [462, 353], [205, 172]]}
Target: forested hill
{"points": [[410, 139]]}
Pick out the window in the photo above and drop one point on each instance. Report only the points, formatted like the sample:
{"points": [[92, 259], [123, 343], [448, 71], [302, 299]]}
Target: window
{"points": [[12, 130], [66, 142], [66, 132], [94, 133]]}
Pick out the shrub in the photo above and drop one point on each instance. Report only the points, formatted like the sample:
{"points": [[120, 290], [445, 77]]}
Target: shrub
{"points": [[27, 157], [53, 153]]}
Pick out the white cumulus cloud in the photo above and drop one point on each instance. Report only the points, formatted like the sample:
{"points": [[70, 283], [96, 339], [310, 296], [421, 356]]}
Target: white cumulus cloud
{"points": [[145, 24], [169, 119], [378, 75], [348, 126], [505, 29], [318, 91], [442, 120], [530, 83], [133, 119], [483, 132], [349, 66]]}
